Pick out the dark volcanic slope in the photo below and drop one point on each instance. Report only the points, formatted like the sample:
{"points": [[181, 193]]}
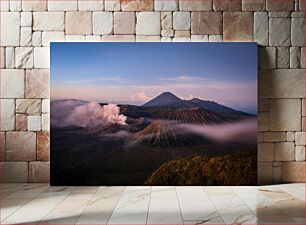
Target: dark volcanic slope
{"points": [[158, 133], [215, 107], [164, 134], [192, 116]]}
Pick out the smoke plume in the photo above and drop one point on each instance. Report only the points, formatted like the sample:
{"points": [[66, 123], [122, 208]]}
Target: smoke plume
{"points": [[86, 115]]}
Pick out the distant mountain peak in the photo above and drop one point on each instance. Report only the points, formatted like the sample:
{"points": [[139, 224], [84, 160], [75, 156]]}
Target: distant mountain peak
{"points": [[167, 93], [164, 98]]}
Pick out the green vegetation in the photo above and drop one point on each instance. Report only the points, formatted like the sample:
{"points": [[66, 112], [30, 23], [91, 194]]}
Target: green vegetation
{"points": [[238, 168]]}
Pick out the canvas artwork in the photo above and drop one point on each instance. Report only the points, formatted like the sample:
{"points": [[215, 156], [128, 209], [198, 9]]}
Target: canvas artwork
{"points": [[153, 113]]}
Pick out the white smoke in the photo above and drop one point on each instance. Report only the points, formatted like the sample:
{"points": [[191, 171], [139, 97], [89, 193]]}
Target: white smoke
{"points": [[86, 115]]}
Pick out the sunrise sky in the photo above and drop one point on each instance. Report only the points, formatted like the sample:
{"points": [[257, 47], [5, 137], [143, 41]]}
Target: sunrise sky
{"points": [[134, 73]]}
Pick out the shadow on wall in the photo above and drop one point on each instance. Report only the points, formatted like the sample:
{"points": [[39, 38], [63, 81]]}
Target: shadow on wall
{"points": [[280, 114]]}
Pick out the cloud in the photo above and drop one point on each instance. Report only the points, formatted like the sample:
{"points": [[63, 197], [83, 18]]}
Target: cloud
{"points": [[140, 96], [232, 94], [187, 98], [95, 80], [181, 78]]}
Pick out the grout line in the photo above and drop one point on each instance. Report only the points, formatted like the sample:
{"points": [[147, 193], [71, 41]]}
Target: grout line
{"points": [[217, 211], [88, 201], [149, 205], [55, 207], [116, 205], [28, 203], [179, 205]]}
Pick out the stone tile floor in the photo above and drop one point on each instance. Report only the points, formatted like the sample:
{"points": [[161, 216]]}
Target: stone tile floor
{"points": [[42, 204]]}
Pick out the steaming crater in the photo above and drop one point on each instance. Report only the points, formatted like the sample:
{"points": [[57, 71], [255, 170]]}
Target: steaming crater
{"points": [[72, 113]]}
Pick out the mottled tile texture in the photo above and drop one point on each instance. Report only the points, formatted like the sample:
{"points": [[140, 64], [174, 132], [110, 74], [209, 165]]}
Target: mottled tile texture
{"points": [[28, 28]]}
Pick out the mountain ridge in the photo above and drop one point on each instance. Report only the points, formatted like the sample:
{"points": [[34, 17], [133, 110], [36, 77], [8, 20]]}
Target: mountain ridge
{"points": [[169, 100]]}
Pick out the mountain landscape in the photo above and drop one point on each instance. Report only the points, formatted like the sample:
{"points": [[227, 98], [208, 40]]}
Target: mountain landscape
{"points": [[169, 100], [130, 144]]}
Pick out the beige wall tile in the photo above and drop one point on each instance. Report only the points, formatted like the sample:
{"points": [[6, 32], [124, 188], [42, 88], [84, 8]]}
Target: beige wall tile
{"points": [[12, 83], [265, 152], [206, 23], [2, 146], [147, 38], [137, 5], [300, 153], [34, 5], [228, 5], [48, 21], [118, 38], [20, 146], [43, 146], [284, 151], [281, 83], [28, 106], [283, 57], [7, 114], [10, 28], [39, 172], [2, 57], [300, 138], [124, 22], [253, 5], [203, 5], [166, 20], [238, 26], [34, 123], [26, 19], [279, 32], [41, 57], [52, 36], [181, 21], [264, 173], [275, 136], [25, 36], [37, 83], [112, 5], [293, 172], [16, 172], [261, 28], [280, 5], [263, 121], [91, 5], [56, 5], [166, 5], [143, 27], [24, 57], [21, 122], [79, 23], [102, 23], [45, 122], [285, 115]]}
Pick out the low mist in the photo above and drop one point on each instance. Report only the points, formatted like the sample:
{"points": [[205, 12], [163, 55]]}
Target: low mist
{"points": [[243, 131]]}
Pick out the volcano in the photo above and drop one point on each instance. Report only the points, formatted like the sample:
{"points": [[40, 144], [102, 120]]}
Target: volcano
{"points": [[164, 134], [171, 101], [165, 99]]}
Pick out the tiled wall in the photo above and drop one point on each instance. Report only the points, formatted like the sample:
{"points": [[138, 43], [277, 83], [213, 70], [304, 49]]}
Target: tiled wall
{"points": [[28, 26]]}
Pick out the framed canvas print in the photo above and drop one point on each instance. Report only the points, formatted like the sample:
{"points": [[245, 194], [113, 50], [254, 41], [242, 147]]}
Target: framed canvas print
{"points": [[153, 113]]}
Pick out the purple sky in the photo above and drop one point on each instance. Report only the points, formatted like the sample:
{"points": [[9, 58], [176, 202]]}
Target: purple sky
{"points": [[134, 73]]}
